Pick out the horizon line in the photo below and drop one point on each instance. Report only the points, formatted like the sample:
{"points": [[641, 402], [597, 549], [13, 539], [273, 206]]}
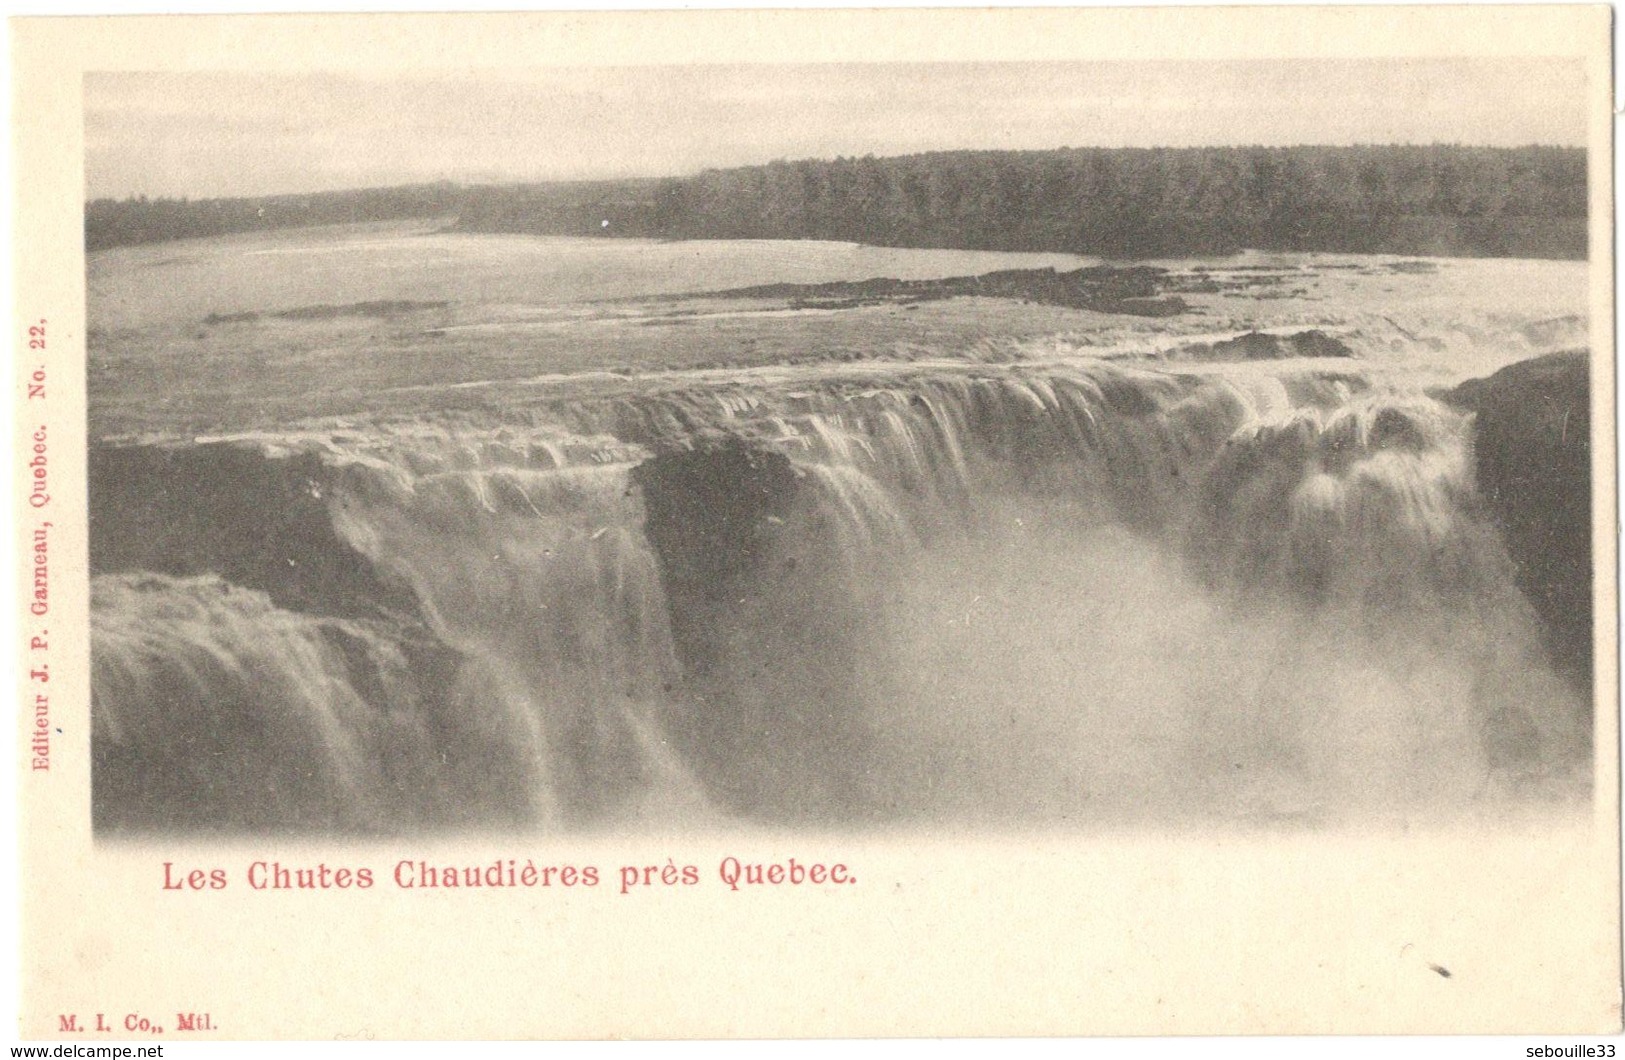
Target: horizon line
{"points": [[519, 182]]}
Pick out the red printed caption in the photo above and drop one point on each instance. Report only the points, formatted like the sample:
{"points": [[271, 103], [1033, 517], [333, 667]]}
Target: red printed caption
{"points": [[415, 874], [133, 1023], [438, 875], [38, 483]]}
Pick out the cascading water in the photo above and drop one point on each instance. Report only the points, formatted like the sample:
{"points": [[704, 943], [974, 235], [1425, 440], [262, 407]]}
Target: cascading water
{"points": [[1024, 594], [206, 693]]}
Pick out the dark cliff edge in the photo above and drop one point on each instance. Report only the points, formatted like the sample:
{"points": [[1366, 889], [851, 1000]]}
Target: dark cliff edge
{"points": [[224, 509], [231, 522], [1532, 452], [768, 631]]}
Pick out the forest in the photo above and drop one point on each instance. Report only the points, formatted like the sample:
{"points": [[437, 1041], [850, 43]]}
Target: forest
{"points": [[119, 222], [1120, 203]]}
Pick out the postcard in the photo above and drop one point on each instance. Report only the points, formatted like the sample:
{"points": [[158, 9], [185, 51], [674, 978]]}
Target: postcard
{"points": [[847, 523]]}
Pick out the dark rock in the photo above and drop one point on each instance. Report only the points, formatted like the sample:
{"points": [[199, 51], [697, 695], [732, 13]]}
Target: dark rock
{"points": [[1532, 452]]}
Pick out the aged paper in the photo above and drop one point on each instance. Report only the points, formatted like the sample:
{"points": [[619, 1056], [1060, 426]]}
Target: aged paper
{"points": [[816, 523]]}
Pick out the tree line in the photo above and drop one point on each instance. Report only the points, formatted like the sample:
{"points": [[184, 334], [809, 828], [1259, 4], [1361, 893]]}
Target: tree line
{"points": [[119, 222], [1110, 202]]}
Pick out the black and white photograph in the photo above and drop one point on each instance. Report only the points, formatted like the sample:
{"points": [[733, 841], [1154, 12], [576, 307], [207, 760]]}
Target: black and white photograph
{"points": [[857, 446]]}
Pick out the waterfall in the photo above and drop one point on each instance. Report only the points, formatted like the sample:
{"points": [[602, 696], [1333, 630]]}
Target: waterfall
{"points": [[1026, 593]]}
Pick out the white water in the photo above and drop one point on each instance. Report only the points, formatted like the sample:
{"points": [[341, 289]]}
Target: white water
{"points": [[1076, 594]]}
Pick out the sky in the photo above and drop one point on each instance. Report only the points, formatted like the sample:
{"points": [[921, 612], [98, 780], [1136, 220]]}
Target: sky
{"points": [[228, 134]]}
